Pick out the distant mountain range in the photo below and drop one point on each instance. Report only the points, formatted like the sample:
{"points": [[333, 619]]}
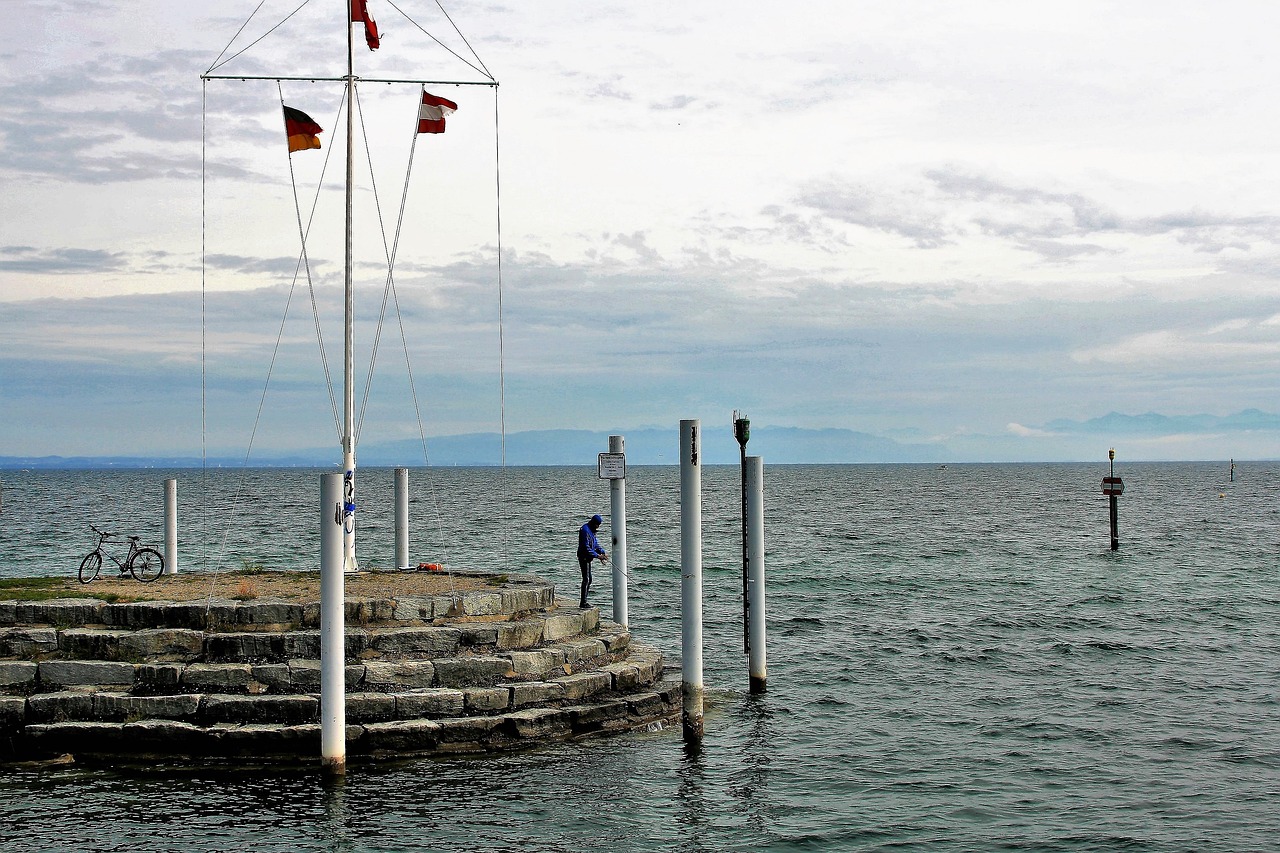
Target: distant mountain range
{"points": [[1247, 434]]}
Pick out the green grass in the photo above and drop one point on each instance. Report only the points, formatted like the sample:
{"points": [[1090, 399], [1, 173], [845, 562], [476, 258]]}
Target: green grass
{"points": [[41, 589]]}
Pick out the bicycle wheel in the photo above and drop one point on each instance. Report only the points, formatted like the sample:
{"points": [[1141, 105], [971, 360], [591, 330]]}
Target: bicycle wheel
{"points": [[147, 565], [90, 566]]}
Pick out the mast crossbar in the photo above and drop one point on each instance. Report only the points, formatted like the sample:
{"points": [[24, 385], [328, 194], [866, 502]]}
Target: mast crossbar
{"points": [[344, 79]]}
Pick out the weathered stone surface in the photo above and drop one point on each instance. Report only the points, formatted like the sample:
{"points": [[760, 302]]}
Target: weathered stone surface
{"points": [[304, 644], [401, 736], [426, 642], [608, 715], [624, 675], [411, 609], [579, 650], [305, 674], [77, 737], [523, 634], [60, 706], [256, 739], [62, 611], [648, 663], [138, 614], [158, 677], [90, 643], [486, 700], [481, 603], [583, 684], [122, 707], [560, 625], [646, 706], [433, 702], [13, 711], [537, 663], [520, 599], [267, 611], [17, 675], [540, 722], [464, 733], [393, 676], [616, 639], [216, 614], [27, 642], [370, 707], [361, 611], [446, 605], [71, 673], [168, 644], [289, 710], [217, 677], [590, 619], [483, 634], [471, 671], [274, 676], [536, 693], [245, 646]]}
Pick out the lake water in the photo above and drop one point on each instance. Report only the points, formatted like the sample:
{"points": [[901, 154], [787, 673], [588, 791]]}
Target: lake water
{"points": [[957, 661]]}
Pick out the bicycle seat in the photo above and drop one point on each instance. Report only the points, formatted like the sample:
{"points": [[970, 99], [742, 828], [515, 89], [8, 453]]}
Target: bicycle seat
{"points": [[134, 538]]}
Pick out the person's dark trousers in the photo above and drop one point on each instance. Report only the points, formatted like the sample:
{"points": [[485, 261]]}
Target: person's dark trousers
{"points": [[585, 565]]}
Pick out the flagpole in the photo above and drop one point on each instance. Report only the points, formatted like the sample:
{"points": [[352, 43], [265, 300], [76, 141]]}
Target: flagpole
{"points": [[349, 563]]}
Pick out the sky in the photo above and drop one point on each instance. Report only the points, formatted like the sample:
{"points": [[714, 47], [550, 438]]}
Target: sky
{"points": [[969, 225]]}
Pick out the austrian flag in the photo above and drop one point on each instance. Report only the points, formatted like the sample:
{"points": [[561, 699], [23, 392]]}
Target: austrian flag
{"points": [[432, 113]]}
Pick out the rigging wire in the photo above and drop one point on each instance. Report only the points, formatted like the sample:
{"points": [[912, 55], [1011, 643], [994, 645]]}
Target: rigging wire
{"points": [[455, 54], [216, 64]]}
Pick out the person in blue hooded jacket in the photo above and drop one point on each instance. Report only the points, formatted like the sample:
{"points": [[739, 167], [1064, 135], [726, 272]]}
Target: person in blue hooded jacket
{"points": [[589, 549]]}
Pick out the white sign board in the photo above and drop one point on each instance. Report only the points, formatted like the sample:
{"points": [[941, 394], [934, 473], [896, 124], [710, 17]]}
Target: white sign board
{"points": [[612, 466]]}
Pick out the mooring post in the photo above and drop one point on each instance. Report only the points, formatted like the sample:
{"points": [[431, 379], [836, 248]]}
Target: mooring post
{"points": [[618, 531], [691, 688], [402, 518], [333, 700], [171, 527], [1113, 488], [755, 560], [742, 432]]}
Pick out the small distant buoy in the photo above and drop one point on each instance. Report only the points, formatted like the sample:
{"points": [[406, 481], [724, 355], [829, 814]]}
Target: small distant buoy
{"points": [[1222, 494]]}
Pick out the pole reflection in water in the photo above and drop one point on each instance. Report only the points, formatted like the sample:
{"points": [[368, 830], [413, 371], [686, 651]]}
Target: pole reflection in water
{"points": [[692, 813], [336, 835], [749, 785]]}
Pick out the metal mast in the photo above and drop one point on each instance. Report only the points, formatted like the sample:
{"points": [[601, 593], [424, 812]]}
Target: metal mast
{"points": [[349, 563]]}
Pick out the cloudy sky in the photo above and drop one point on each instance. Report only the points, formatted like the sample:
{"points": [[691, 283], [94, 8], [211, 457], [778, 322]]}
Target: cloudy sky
{"points": [[957, 223]]}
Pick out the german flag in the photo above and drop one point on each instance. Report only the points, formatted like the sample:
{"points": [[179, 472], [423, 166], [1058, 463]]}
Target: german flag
{"points": [[301, 130]]}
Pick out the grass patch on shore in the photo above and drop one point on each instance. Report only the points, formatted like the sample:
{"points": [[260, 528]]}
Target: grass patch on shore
{"points": [[38, 589]]}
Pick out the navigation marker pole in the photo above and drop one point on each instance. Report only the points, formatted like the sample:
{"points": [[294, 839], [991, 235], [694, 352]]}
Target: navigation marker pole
{"points": [[333, 699], [756, 668], [1113, 487], [742, 432], [691, 688], [613, 467]]}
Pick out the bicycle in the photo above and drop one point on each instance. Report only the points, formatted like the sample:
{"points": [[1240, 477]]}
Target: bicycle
{"points": [[145, 564]]}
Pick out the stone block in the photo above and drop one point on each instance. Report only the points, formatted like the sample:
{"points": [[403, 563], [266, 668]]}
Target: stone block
{"points": [[560, 625], [75, 673], [624, 676], [463, 734], [136, 615], [123, 707], [615, 641], [311, 615], [165, 737], [524, 634], [77, 737], [8, 614], [401, 736], [424, 642], [305, 675], [18, 675], [481, 603], [478, 634], [581, 650], [370, 707], [273, 676], [471, 671], [536, 693], [446, 605], [539, 722], [158, 677], [244, 646], [91, 643], [646, 706], [362, 611], [169, 644], [13, 712], [590, 620], [414, 609], [434, 702], [609, 715], [583, 684], [269, 611], [537, 663], [393, 676], [521, 599], [60, 706], [303, 645], [276, 710], [218, 677], [486, 700], [258, 739], [217, 614], [27, 642]]}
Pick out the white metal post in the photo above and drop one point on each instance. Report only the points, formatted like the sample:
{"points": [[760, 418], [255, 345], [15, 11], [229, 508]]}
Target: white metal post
{"points": [[171, 527], [402, 518], [691, 688], [755, 572], [333, 700], [618, 529]]}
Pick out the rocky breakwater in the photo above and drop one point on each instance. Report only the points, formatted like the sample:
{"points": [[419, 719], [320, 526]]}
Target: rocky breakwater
{"points": [[501, 667]]}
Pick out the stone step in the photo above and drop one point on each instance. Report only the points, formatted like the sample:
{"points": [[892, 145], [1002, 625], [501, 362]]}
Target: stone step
{"points": [[396, 738]]}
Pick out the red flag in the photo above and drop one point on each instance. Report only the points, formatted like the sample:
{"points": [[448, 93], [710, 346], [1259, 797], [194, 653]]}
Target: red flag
{"points": [[432, 113], [301, 130], [360, 12]]}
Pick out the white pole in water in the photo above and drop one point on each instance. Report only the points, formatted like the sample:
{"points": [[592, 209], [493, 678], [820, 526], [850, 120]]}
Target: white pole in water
{"points": [[402, 518], [691, 689], [618, 529], [171, 527], [333, 699], [755, 572]]}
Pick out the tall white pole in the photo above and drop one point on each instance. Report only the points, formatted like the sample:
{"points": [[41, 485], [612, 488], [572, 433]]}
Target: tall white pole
{"points": [[348, 338], [691, 688], [171, 527], [402, 518], [333, 700], [755, 572], [618, 528]]}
